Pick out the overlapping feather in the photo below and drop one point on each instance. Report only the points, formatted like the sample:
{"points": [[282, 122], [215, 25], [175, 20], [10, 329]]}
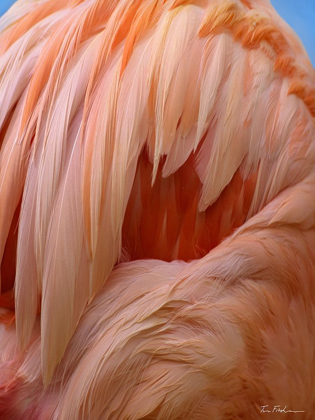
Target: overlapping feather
{"points": [[80, 106]]}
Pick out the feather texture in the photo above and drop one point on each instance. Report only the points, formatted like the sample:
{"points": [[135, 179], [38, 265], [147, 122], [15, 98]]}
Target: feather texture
{"points": [[156, 211]]}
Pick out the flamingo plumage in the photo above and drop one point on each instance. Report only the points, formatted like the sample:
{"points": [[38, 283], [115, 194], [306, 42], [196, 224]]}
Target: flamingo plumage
{"points": [[157, 212]]}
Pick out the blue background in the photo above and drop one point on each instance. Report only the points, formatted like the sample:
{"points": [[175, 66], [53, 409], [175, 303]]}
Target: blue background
{"points": [[298, 14]]}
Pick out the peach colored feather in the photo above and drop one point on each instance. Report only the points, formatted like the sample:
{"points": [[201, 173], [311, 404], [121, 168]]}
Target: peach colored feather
{"points": [[157, 212]]}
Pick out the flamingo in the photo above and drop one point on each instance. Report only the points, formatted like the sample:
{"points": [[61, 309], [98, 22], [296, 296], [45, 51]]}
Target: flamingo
{"points": [[157, 212]]}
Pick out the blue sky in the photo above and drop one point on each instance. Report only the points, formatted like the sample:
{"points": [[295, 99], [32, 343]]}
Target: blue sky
{"points": [[299, 14]]}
